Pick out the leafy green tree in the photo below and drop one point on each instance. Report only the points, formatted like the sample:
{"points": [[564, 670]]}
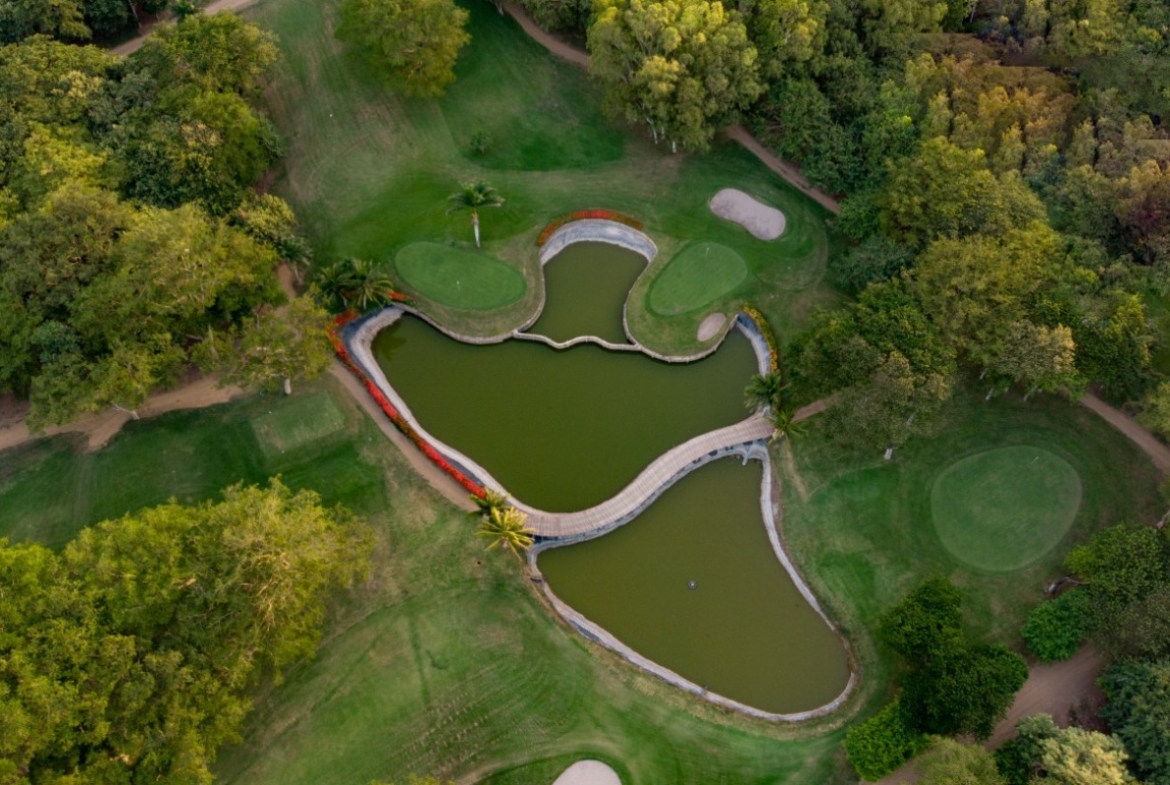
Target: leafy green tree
{"points": [[505, 527], [927, 622], [1122, 564], [1083, 757], [1056, 628], [785, 32], [888, 24], [213, 53], [20, 19], [873, 260], [472, 196], [1020, 758], [273, 347], [948, 762], [947, 192], [415, 43], [1138, 712], [882, 743], [129, 657], [680, 68], [555, 15], [1155, 413], [1041, 358], [1142, 629]]}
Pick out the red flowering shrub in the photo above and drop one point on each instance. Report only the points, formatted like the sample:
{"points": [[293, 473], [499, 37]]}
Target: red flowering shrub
{"points": [[580, 215]]}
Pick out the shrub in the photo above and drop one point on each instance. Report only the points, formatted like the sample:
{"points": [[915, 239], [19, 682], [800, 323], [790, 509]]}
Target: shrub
{"points": [[1054, 629], [882, 743]]}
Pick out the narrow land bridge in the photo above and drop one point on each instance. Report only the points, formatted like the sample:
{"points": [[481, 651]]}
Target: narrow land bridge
{"points": [[667, 469]]}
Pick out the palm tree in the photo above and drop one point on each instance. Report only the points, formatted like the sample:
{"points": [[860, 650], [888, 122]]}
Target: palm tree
{"points": [[785, 424], [491, 500], [508, 527], [356, 283], [765, 391], [473, 196]]}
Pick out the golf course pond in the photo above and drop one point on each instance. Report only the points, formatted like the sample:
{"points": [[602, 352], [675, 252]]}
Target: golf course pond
{"points": [[693, 583]]}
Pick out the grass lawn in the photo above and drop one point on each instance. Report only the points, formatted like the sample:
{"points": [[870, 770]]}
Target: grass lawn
{"points": [[699, 276], [369, 173], [446, 661], [864, 530], [458, 278]]}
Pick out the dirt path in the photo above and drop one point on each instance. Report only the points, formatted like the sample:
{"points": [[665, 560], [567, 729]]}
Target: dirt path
{"points": [[1159, 453], [560, 48], [134, 44], [101, 427]]}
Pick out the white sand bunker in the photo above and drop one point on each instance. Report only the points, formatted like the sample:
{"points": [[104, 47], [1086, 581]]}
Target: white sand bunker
{"points": [[711, 325], [588, 772], [764, 222]]}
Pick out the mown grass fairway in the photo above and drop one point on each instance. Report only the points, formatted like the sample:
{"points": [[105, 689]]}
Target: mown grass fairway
{"points": [[369, 172], [1003, 509], [457, 278], [697, 277]]}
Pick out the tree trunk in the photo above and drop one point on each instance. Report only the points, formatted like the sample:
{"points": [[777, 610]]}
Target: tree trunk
{"points": [[287, 386], [889, 453], [475, 228]]}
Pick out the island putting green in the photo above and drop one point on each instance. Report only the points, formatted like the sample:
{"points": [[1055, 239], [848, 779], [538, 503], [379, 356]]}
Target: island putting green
{"points": [[1002, 509], [457, 278], [698, 276]]}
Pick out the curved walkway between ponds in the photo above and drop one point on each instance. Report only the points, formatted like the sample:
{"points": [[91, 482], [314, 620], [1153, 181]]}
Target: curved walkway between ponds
{"points": [[666, 470]]}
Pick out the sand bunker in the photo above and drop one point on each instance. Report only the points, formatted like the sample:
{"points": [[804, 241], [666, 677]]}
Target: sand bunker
{"points": [[710, 326], [588, 772], [764, 222]]}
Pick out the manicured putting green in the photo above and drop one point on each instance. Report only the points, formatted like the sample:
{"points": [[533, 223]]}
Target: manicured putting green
{"points": [[1003, 509], [696, 277], [458, 278]]}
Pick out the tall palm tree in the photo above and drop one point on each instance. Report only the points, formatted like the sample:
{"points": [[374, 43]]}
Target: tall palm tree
{"points": [[508, 527], [472, 196], [765, 391]]}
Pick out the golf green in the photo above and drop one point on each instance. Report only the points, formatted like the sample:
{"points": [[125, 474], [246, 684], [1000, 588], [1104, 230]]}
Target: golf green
{"points": [[1002, 509], [457, 278], [698, 276]]}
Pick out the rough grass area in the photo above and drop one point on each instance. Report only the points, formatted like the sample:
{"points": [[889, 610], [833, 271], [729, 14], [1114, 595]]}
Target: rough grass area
{"points": [[49, 489], [457, 278], [369, 171], [699, 276], [1003, 509], [863, 531]]}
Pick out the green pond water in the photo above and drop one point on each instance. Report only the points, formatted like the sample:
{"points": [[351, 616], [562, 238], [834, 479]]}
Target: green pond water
{"points": [[561, 430], [565, 430], [586, 286], [744, 631]]}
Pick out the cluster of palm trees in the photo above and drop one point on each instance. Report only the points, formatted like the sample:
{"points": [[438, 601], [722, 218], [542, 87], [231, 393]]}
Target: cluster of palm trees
{"points": [[765, 393], [501, 524], [355, 284]]}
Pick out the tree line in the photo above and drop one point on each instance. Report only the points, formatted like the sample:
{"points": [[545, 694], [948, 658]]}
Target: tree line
{"points": [[131, 243]]}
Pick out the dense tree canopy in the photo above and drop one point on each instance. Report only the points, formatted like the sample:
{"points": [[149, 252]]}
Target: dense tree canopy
{"points": [[127, 657], [679, 67], [415, 43]]}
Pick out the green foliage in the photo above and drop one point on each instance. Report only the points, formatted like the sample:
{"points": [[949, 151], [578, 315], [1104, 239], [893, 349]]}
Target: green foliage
{"points": [[1121, 564], [875, 259], [680, 68], [145, 634], [954, 685], [1019, 759], [505, 526], [415, 43], [1055, 629], [948, 762], [555, 15], [882, 743], [1083, 757], [20, 19], [1138, 712]]}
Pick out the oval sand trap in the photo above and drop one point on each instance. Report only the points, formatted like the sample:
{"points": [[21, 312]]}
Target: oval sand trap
{"points": [[588, 772], [710, 326], [1003, 509], [764, 222]]}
